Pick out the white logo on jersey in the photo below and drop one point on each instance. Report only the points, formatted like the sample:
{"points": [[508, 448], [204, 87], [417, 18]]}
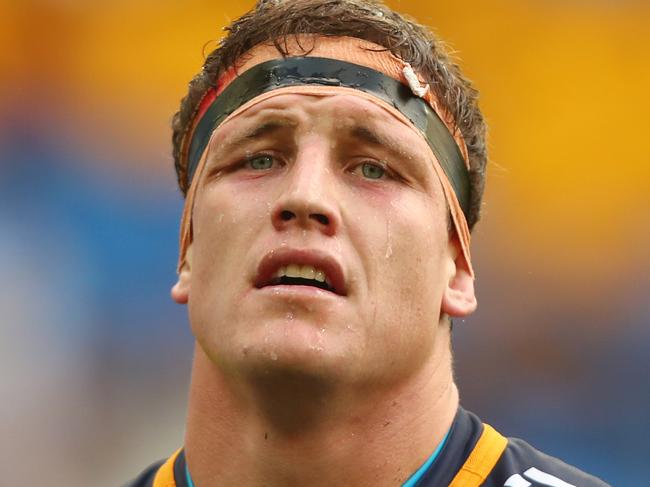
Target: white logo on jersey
{"points": [[537, 476], [517, 480]]}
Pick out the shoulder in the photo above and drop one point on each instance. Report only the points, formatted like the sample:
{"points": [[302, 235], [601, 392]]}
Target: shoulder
{"points": [[476, 454], [521, 465]]}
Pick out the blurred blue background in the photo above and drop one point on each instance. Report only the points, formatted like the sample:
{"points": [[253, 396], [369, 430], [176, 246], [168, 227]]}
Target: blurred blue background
{"points": [[95, 356]]}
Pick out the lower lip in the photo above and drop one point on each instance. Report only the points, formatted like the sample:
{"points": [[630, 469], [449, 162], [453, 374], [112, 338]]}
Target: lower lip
{"points": [[298, 291]]}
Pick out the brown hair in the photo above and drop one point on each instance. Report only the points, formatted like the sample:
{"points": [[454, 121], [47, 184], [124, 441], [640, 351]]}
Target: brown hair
{"points": [[275, 20]]}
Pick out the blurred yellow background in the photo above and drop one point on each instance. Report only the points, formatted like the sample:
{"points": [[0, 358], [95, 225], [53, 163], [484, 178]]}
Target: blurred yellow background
{"points": [[563, 86], [562, 252]]}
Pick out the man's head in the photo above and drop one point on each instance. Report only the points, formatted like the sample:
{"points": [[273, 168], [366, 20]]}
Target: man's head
{"points": [[278, 20], [316, 232]]}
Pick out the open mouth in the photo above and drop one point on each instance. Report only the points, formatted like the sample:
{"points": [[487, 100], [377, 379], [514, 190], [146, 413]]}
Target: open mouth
{"points": [[301, 268], [301, 275]]}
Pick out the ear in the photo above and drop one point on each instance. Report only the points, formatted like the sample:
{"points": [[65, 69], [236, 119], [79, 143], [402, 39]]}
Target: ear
{"points": [[181, 290], [459, 299]]}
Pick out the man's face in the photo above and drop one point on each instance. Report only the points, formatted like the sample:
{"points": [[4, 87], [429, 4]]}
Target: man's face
{"points": [[320, 242]]}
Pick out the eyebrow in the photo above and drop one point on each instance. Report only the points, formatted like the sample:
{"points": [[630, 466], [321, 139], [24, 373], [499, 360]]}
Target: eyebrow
{"points": [[267, 128], [369, 136], [384, 141], [242, 140]]}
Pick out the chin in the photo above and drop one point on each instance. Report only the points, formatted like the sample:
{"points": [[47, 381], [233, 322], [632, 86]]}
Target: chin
{"points": [[290, 346]]}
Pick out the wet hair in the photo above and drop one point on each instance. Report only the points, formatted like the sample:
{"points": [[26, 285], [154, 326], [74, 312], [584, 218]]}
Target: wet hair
{"points": [[278, 20]]}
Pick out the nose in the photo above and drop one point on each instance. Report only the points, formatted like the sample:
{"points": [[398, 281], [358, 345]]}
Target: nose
{"points": [[307, 198]]}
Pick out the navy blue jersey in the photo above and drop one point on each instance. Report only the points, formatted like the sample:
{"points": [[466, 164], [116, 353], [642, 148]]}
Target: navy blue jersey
{"points": [[474, 455]]}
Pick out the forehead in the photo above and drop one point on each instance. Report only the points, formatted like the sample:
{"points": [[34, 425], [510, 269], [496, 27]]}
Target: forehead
{"points": [[334, 115]]}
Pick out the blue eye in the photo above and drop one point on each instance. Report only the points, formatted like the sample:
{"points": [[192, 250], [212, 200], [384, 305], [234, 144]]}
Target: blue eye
{"points": [[260, 162], [372, 171]]}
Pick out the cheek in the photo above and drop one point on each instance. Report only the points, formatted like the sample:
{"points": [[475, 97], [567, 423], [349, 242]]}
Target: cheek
{"points": [[223, 227], [405, 289], [405, 236], [406, 245], [414, 266], [224, 204], [222, 216]]}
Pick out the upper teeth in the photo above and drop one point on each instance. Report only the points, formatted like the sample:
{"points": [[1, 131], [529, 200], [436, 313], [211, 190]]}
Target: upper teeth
{"points": [[304, 271]]}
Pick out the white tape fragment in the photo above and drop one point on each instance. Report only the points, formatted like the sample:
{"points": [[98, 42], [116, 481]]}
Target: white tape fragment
{"points": [[414, 82]]}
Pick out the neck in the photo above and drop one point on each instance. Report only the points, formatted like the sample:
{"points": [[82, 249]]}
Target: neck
{"points": [[291, 430]]}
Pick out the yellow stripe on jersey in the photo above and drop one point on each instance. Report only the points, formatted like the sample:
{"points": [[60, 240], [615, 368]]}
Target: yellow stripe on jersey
{"points": [[165, 474], [482, 460]]}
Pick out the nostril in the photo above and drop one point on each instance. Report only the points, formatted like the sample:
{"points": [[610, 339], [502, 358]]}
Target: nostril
{"points": [[321, 218], [286, 215]]}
